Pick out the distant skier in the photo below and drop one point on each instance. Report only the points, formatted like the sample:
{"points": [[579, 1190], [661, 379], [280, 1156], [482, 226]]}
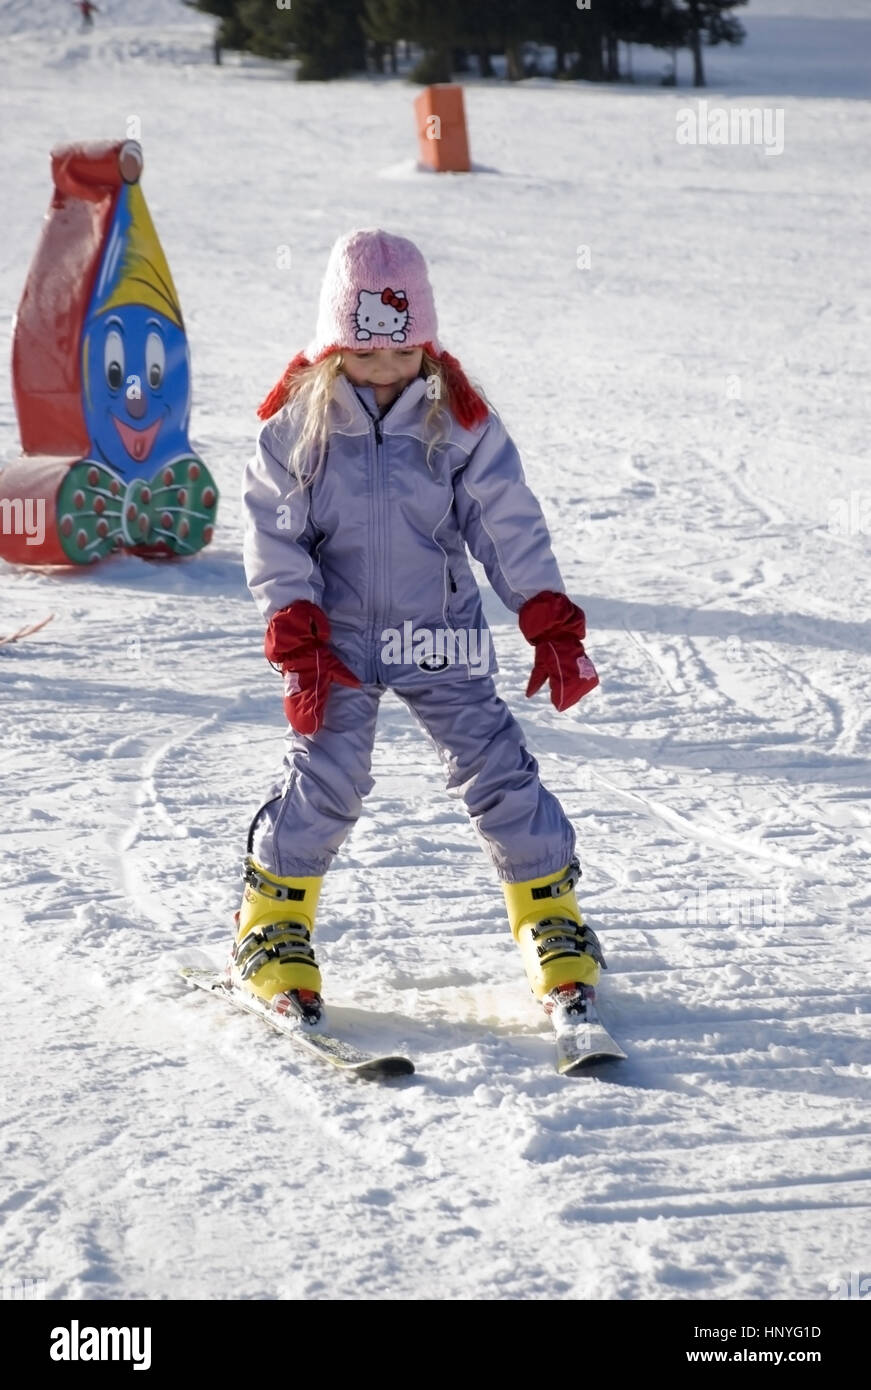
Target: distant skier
{"points": [[378, 465], [87, 10]]}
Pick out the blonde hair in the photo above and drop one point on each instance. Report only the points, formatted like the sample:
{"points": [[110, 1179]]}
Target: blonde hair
{"points": [[309, 400]]}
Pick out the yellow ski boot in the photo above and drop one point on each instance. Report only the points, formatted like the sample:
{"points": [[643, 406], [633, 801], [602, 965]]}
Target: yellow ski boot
{"points": [[272, 955], [561, 955]]}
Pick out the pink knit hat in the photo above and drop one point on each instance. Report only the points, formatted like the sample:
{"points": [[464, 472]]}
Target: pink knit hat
{"points": [[376, 294]]}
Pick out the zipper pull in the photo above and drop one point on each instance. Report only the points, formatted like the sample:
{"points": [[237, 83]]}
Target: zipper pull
{"points": [[452, 582], [378, 431]]}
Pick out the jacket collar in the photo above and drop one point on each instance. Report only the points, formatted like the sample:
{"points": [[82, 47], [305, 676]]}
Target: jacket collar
{"points": [[348, 415]]}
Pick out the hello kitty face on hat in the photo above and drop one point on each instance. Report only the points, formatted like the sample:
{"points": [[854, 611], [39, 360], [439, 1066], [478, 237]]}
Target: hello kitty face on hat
{"points": [[383, 313]]}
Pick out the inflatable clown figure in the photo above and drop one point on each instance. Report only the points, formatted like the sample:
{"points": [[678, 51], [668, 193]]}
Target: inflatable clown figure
{"points": [[101, 378]]}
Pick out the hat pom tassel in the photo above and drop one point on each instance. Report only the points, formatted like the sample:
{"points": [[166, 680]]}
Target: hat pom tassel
{"points": [[280, 393], [465, 403]]}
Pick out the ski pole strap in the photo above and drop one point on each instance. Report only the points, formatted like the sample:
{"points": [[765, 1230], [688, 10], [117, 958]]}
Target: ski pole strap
{"points": [[561, 886], [279, 892]]}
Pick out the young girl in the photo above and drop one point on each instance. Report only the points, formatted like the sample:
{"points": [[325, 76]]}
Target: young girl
{"points": [[378, 467]]}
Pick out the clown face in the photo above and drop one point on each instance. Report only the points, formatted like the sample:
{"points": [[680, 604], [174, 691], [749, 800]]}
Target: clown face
{"points": [[136, 389]]}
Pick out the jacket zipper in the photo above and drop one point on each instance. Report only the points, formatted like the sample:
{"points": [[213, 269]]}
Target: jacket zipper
{"points": [[380, 537], [449, 613], [377, 530]]}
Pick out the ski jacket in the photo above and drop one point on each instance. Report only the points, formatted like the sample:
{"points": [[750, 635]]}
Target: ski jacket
{"points": [[381, 540]]}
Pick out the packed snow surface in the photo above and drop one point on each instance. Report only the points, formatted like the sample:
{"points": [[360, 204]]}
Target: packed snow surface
{"points": [[677, 337]]}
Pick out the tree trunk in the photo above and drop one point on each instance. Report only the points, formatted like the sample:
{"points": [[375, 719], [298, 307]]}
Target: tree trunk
{"points": [[484, 64], [590, 57], [613, 55], [377, 51], [698, 65], [514, 58], [393, 65], [696, 46]]}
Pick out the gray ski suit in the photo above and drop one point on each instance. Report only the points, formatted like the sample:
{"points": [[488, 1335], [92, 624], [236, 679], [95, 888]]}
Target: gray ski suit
{"points": [[380, 541]]}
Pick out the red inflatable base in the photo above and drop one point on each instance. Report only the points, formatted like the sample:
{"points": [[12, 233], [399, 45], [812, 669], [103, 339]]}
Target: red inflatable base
{"points": [[28, 511], [75, 511]]}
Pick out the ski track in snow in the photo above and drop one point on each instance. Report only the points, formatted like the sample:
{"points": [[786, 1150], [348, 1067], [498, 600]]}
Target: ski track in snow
{"points": [[158, 1145]]}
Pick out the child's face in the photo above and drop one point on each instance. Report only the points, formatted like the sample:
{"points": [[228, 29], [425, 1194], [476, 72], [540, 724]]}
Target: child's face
{"points": [[389, 370]]}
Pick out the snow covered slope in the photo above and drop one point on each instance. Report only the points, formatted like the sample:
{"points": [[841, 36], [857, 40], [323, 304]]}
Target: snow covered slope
{"points": [[692, 411]]}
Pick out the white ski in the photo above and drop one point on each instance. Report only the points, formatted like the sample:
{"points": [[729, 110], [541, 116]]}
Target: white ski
{"points": [[581, 1045], [315, 1043], [581, 1037]]}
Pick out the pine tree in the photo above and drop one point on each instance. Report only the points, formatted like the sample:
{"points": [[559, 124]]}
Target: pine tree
{"points": [[501, 26], [708, 19], [325, 35], [435, 29], [268, 25], [231, 33], [331, 37], [480, 33], [383, 24]]}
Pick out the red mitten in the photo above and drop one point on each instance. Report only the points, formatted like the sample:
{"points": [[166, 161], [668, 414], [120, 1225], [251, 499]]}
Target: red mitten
{"points": [[296, 639], [555, 626]]}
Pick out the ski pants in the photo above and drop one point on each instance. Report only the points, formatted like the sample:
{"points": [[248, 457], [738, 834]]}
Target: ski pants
{"points": [[314, 806]]}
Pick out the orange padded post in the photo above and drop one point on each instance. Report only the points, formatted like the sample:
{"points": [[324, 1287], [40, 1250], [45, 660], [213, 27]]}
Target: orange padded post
{"points": [[441, 129]]}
